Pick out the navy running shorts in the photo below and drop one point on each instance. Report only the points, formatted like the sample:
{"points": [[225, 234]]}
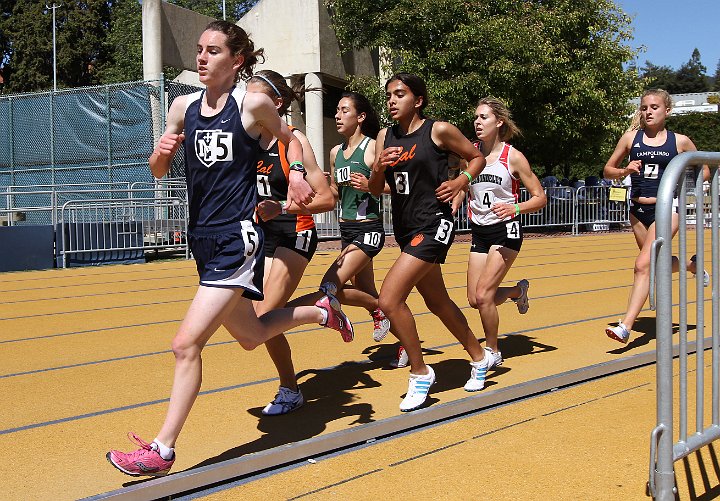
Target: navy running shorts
{"points": [[368, 236], [230, 257], [645, 213], [508, 234]]}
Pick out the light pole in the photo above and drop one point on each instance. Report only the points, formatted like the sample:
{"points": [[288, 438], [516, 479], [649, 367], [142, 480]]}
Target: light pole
{"points": [[54, 47], [223, 10]]}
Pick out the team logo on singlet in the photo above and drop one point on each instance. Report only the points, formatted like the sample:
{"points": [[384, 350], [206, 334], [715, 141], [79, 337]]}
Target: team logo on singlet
{"points": [[213, 146], [417, 240]]}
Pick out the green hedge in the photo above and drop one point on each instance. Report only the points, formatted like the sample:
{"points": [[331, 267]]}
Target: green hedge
{"points": [[702, 128]]}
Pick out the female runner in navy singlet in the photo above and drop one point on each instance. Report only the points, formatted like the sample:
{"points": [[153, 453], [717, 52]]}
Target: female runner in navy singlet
{"points": [[221, 128], [650, 149], [413, 159]]}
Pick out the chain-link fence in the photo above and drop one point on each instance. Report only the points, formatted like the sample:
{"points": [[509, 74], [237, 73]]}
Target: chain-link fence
{"points": [[90, 136]]}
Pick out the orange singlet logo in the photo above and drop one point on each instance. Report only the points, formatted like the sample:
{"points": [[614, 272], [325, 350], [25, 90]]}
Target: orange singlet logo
{"points": [[264, 169], [405, 156], [417, 239]]}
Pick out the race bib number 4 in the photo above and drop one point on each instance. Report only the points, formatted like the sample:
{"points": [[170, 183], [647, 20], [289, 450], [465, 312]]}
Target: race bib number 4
{"points": [[486, 200], [513, 229]]}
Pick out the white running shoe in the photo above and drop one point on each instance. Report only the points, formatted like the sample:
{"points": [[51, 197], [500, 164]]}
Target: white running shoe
{"points": [[381, 325], [522, 302], [418, 390], [619, 333], [706, 275], [285, 401], [496, 360], [478, 372], [401, 360]]}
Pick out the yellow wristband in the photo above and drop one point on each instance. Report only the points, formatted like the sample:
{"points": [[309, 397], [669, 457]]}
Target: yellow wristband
{"points": [[467, 174]]}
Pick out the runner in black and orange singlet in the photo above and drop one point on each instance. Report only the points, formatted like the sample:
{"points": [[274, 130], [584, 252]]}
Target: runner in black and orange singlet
{"points": [[290, 234], [414, 162]]}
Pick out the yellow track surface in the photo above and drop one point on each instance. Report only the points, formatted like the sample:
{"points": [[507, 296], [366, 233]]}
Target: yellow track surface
{"points": [[85, 358]]}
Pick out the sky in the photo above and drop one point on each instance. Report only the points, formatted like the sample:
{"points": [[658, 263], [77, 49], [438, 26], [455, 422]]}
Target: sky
{"points": [[671, 29]]}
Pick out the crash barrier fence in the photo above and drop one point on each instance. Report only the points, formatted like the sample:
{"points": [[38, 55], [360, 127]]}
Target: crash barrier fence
{"points": [[101, 221], [587, 208], [671, 439]]}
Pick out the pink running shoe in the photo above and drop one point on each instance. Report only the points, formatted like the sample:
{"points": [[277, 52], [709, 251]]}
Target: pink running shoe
{"points": [[144, 461], [336, 319]]}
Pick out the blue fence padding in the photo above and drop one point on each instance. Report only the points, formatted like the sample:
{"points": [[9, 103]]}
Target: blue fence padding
{"points": [[26, 247]]}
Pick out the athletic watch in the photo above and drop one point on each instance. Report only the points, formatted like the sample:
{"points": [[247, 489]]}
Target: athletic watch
{"points": [[298, 166]]}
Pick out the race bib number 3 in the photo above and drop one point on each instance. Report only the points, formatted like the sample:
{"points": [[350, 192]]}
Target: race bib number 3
{"points": [[402, 183], [444, 231]]}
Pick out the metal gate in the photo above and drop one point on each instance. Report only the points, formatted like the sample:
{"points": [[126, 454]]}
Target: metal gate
{"points": [[664, 448]]}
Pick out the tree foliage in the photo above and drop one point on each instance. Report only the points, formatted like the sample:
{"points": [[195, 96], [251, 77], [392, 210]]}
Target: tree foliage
{"points": [[98, 41], [27, 62], [702, 128], [690, 77], [557, 63]]}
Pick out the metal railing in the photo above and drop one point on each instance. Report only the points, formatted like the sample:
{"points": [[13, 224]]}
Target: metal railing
{"points": [[587, 208], [134, 223], [664, 450]]}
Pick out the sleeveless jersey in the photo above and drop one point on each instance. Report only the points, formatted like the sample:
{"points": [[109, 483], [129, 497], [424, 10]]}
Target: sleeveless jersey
{"points": [[354, 204], [219, 164], [495, 184], [654, 161], [273, 171], [413, 178]]}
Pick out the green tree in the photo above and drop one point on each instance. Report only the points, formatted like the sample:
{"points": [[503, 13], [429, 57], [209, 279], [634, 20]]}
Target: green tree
{"points": [[716, 78], [234, 9], [702, 128], [659, 77], [558, 64], [691, 76], [28, 56], [123, 44]]}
